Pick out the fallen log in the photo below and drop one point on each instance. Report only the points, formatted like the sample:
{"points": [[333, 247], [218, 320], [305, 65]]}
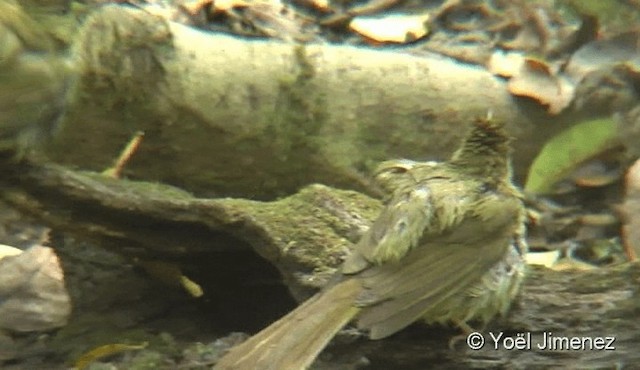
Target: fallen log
{"points": [[231, 116], [306, 236]]}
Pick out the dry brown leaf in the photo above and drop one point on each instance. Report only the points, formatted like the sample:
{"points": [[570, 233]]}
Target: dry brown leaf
{"points": [[536, 80], [393, 28]]}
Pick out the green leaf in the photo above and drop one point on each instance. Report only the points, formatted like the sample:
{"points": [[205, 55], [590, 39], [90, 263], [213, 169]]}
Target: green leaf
{"points": [[564, 152]]}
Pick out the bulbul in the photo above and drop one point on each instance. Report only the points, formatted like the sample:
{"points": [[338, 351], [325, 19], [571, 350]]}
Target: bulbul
{"points": [[447, 248]]}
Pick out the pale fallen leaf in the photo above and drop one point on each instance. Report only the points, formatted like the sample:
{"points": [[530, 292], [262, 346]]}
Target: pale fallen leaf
{"points": [[546, 259], [506, 64], [223, 6], [392, 28], [321, 5], [7, 250]]}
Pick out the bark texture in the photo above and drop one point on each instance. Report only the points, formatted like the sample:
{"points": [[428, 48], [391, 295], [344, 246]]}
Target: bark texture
{"points": [[230, 116]]}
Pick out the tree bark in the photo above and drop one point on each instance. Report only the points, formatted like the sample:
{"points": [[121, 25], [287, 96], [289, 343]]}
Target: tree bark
{"points": [[230, 116]]}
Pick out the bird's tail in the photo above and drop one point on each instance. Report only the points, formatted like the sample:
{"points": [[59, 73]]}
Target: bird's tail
{"points": [[294, 341]]}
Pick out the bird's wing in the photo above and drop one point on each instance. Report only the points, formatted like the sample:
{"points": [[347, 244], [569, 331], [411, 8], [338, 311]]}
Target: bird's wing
{"points": [[396, 294], [427, 206], [397, 229]]}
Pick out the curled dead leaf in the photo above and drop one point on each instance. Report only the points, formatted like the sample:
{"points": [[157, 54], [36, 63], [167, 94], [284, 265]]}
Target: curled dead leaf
{"points": [[537, 81]]}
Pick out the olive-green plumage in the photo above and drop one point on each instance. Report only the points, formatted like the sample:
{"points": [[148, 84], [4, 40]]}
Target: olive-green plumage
{"points": [[447, 248]]}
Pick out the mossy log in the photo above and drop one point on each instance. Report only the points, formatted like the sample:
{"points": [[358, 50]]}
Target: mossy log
{"points": [[306, 236], [231, 116]]}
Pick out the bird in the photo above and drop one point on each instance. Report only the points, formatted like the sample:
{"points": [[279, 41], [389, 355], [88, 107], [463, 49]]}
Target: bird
{"points": [[447, 248]]}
